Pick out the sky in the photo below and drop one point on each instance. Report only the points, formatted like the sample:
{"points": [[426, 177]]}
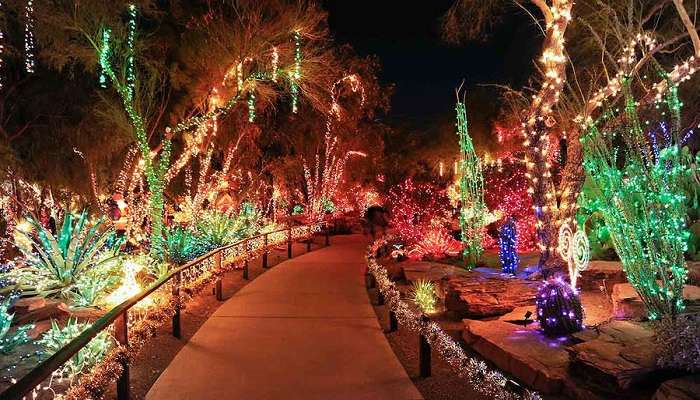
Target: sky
{"points": [[406, 36]]}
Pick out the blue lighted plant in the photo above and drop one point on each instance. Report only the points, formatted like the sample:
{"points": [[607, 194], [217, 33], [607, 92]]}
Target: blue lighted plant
{"points": [[507, 247]]}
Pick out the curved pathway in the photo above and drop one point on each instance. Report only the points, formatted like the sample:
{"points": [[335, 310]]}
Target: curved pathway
{"points": [[303, 330]]}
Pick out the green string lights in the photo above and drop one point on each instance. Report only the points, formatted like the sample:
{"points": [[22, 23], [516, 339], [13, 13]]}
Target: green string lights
{"points": [[641, 200], [295, 74], [130, 39], [155, 171], [471, 188], [104, 56]]}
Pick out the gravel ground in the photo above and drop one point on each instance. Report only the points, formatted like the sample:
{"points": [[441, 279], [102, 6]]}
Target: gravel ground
{"points": [[443, 382]]}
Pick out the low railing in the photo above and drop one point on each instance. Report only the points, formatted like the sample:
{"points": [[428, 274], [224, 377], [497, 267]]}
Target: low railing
{"points": [[259, 245]]}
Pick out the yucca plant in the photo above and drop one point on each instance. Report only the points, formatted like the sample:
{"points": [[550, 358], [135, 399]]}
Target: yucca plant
{"points": [[56, 262], [57, 337], [424, 296], [19, 337]]}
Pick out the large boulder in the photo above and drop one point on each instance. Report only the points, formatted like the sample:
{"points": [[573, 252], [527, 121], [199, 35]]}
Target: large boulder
{"points": [[628, 305], [621, 355], [693, 272], [603, 274], [479, 295], [536, 361], [685, 388], [32, 311]]}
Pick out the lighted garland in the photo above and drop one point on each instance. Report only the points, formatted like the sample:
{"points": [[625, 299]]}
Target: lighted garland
{"points": [[93, 384], [485, 381], [104, 56], [642, 202], [471, 188]]}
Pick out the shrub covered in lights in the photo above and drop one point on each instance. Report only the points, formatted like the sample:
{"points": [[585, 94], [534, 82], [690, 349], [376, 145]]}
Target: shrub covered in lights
{"points": [[57, 337], [559, 309], [424, 296], [642, 201], [507, 247], [56, 264], [416, 208], [8, 342]]}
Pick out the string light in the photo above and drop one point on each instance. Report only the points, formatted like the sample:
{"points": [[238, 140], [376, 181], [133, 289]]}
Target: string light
{"points": [[295, 74], [130, 41], [642, 202], [275, 63], [29, 39], [507, 247], [104, 55], [251, 104], [2, 52], [471, 189], [487, 382]]}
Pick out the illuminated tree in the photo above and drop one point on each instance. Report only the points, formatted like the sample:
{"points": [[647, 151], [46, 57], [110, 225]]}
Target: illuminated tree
{"points": [[602, 28], [642, 200]]}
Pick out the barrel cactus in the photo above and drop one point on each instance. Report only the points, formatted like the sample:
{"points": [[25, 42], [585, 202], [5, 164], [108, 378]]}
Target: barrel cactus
{"points": [[559, 309]]}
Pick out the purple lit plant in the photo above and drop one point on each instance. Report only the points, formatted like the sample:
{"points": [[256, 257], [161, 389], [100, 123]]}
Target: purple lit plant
{"points": [[559, 309]]}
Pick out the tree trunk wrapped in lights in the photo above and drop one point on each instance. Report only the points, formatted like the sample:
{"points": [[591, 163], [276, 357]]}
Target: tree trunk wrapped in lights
{"points": [[471, 188], [642, 201]]}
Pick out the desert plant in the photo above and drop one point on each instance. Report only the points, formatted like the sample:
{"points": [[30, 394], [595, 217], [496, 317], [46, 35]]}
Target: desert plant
{"points": [[56, 262], [507, 245], [182, 245], [19, 337], [57, 337], [424, 295], [559, 309], [217, 229], [678, 342], [642, 201], [93, 286]]}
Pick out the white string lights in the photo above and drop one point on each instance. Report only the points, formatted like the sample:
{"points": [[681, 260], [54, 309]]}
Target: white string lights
{"points": [[2, 50], [29, 40], [488, 382]]}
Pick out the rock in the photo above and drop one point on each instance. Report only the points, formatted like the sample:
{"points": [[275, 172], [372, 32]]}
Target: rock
{"points": [[39, 329], [626, 302], [602, 274], [628, 305], [620, 356], [693, 272], [430, 271], [394, 271], [51, 310], [479, 295], [536, 361], [27, 304], [685, 388]]}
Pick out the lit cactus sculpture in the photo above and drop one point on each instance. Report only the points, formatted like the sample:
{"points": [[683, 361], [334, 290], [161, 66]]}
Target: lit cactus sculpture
{"points": [[559, 309]]}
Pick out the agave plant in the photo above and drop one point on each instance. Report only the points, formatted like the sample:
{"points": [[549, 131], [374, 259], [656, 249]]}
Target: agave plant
{"points": [[183, 245], [217, 229], [56, 262], [57, 337], [19, 337]]}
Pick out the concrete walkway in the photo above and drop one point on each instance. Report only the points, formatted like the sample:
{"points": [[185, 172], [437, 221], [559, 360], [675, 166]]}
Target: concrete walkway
{"points": [[303, 330]]}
